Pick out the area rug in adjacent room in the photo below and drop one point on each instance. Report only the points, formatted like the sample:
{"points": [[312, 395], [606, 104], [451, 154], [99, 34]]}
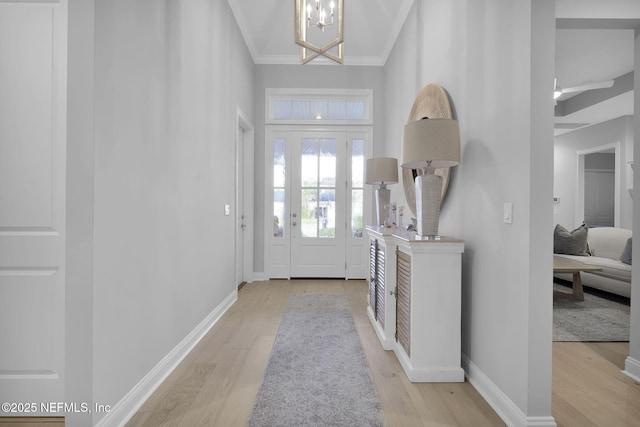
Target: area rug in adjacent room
{"points": [[317, 374], [594, 319]]}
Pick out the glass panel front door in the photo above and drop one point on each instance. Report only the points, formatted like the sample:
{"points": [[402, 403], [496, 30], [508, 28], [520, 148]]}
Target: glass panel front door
{"points": [[317, 203], [318, 208]]}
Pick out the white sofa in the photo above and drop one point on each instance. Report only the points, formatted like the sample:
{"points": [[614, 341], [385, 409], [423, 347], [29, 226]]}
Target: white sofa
{"points": [[606, 245]]}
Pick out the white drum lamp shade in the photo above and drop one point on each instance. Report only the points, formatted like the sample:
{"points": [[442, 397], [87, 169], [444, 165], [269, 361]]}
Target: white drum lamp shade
{"points": [[429, 144]]}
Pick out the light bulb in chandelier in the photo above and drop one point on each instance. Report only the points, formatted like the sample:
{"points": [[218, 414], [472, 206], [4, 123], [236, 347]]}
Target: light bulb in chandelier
{"points": [[320, 15]]}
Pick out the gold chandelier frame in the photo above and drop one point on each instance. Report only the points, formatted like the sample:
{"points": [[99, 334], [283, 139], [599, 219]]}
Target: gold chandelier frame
{"points": [[316, 51]]}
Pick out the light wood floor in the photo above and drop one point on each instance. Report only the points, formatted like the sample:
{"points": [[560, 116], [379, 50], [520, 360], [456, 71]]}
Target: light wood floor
{"points": [[217, 382], [589, 388], [32, 421]]}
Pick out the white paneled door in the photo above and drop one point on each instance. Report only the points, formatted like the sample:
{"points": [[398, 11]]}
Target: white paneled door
{"points": [[32, 204], [317, 199], [240, 219], [318, 204], [599, 198]]}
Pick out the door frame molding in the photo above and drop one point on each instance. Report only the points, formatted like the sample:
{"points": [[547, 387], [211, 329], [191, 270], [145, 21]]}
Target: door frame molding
{"points": [[270, 132], [246, 137], [579, 207]]}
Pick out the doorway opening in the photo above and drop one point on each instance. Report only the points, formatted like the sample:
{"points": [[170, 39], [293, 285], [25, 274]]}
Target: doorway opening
{"points": [[243, 212], [598, 174], [316, 203]]}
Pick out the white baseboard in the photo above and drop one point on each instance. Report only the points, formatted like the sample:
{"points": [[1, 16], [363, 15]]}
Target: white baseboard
{"points": [[632, 368], [126, 408], [500, 402]]}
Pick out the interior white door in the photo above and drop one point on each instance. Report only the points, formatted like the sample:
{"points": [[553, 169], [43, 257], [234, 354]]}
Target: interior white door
{"points": [[239, 209], [599, 193], [32, 203], [318, 204]]}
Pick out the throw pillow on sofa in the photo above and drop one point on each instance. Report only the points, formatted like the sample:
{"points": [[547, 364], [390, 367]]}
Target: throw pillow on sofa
{"points": [[571, 242], [626, 253]]}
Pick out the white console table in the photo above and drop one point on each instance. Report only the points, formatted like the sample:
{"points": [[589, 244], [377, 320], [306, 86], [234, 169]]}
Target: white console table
{"points": [[415, 302]]}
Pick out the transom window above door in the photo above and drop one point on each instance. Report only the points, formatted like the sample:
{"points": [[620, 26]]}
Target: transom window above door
{"points": [[312, 106], [316, 204]]}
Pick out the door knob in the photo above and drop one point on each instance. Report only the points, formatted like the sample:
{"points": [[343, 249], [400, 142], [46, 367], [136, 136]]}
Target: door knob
{"points": [[293, 223]]}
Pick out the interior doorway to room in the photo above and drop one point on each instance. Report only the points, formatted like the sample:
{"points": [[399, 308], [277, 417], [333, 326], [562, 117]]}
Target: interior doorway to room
{"points": [[318, 203], [598, 189], [243, 209], [601, 351]]}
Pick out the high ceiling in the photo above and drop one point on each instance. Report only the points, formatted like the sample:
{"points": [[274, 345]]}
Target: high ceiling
{"points": [[585, 53], [268, 29]]}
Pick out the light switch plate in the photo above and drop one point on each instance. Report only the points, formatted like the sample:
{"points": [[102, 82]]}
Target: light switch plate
{"points": [[227, 210], [508, 213]]}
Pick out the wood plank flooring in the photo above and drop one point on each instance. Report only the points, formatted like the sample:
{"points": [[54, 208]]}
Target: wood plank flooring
{"points": [[32, 421], [589, 388], [217, 382]]}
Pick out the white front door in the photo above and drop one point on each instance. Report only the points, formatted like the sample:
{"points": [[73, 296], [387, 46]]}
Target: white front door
{"points": [[33, 107], [316, 204]]}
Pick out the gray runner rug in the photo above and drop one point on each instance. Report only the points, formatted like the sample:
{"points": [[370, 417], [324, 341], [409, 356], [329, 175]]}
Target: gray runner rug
{"points": [[317, 374], [594, 319]]}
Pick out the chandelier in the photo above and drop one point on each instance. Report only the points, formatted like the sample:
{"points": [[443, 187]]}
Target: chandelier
{"points": [[316, 16]]}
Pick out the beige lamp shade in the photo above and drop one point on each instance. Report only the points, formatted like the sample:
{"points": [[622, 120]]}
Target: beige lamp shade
{"points": [[381, 170], [435, 140]]}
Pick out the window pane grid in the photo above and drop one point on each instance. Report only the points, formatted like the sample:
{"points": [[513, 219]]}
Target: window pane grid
{"points": [[318, 192], [279, 183], [307, 109], [357, 188]]}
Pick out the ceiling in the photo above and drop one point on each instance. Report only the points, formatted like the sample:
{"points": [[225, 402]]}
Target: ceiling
{"points": [[588, 55], [267, 27], [587, 51]]}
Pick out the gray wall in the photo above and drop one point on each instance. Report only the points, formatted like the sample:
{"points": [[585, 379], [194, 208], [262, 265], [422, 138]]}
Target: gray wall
{"points": [[307, 76], [79, 211], [495, 60], [169, 77]]}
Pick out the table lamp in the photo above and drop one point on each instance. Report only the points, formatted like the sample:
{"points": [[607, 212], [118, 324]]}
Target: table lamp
{"points": [[382, 171], [429, 144]]}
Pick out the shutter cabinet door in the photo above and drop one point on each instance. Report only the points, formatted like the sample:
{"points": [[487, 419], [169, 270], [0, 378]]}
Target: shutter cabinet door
{"points": [[380, 287], [403, 301], [373, 245]]}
